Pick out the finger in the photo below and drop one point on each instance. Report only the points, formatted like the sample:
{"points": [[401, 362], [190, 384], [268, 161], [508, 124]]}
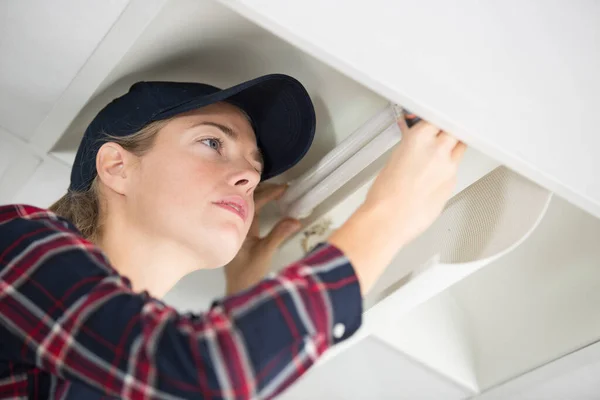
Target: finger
{"points": [[254, 227], [447, 141], [283, 230], [267, 193], [424, 129], [401, 120], [458, 152], [264, 188]]}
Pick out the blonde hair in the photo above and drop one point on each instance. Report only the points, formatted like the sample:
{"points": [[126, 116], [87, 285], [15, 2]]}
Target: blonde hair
{"points": [[83, 208]]}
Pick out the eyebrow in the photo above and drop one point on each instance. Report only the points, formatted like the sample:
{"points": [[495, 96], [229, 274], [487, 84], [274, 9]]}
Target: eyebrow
{"points": [[233, 135]]}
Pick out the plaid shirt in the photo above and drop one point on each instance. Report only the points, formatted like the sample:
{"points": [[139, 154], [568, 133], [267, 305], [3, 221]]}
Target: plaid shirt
{"points": [[71, 327]]}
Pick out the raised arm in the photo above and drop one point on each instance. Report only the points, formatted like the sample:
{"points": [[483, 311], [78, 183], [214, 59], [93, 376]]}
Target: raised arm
{"points": [[64, 309]]}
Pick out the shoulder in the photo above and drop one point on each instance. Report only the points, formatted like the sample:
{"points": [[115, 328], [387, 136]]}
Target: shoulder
{"points": [[21, 223], [28, 232], [26, 216], [11, 212]]}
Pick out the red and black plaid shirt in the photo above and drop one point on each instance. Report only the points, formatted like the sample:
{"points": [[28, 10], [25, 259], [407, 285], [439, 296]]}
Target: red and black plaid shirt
{"points": [[71, 327]]}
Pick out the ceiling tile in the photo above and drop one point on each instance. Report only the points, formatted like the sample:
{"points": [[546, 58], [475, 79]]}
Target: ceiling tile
{"points": [[43, 45]]}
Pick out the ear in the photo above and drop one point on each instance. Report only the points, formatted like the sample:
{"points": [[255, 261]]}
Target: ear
{"points": [[114, 166]]}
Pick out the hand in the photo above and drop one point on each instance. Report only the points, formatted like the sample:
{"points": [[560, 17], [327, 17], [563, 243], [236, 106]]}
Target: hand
{"points": [[255, 257], [408, 194], [418, 178]]}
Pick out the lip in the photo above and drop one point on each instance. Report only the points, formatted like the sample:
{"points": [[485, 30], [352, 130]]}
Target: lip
{"points": [[236, 200]]}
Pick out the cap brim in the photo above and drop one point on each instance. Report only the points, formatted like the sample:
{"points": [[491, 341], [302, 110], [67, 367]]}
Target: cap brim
{"points": [[282, 115]]}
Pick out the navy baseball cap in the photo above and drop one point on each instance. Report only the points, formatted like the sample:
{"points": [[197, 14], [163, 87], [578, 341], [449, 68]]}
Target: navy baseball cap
{"points": [[280, 110]]}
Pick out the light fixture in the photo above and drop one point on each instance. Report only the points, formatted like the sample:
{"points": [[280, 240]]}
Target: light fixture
{"points": [[364, 146]]}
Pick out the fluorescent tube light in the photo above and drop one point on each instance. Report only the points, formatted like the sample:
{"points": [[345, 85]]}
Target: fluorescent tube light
{"points": [[336, 157], [354, 154]]}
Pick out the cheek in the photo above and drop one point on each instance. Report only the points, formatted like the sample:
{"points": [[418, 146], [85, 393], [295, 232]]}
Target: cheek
{"points": [[167, 182]]}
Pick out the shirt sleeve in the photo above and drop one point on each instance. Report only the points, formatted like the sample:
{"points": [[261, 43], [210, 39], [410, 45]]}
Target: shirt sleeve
{"points": [[66, 310]]}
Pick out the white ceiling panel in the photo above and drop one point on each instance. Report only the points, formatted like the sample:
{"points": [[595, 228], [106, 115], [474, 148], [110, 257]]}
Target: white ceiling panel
{"points": [[17, 164], [580, 384], [48, 182], [372, 370], [574, 376], [43, 44]]}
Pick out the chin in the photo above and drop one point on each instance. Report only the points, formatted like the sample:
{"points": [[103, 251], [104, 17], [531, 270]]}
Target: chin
{"points": [[223, 247], [214, 256], [217, 240]]}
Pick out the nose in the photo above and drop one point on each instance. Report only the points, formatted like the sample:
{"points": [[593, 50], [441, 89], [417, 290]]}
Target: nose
{"points": [[246, 177]]}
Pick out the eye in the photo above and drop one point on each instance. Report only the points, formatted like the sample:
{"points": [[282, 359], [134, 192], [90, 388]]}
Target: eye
{"points": [[215, 143]]}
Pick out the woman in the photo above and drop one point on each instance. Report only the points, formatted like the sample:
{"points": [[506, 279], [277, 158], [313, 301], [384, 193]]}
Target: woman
{"points": [[163, 184]]}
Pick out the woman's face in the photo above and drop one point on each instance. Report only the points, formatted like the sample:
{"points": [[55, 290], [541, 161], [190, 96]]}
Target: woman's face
{"points": [[199, 159]]}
